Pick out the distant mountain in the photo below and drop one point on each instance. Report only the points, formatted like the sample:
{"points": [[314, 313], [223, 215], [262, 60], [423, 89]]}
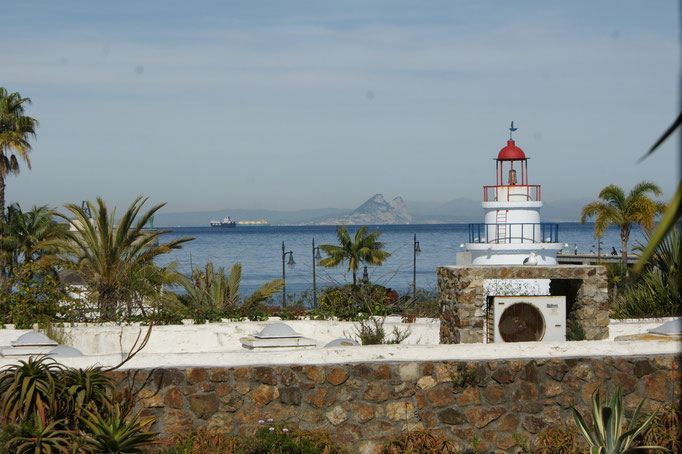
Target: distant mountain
{"points": [[563, 210], [376, 210], [274, 217]]}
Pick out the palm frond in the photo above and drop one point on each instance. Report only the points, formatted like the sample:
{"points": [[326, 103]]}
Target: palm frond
{"points": [[613, 195], [676, 124], [267, 290], [670, 217]]}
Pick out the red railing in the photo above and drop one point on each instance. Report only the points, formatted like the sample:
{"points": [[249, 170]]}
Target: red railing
{"points": [[512, 193]]}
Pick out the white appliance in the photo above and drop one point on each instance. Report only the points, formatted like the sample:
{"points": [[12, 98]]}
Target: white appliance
{"points": [[529, 318]]}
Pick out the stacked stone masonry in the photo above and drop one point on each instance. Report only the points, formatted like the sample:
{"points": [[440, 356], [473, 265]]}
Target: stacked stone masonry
{"points": [[463, 299], [364, 405]]}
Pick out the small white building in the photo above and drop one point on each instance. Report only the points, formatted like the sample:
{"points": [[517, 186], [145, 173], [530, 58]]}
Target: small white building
{"points": [[512, 229]]}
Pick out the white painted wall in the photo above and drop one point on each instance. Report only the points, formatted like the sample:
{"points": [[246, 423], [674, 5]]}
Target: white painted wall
{"points": [[217, 344]]}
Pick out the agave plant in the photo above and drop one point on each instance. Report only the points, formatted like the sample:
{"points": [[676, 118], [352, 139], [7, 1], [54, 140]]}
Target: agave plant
{"points": [[48, 439], [607, 436], [30, 388], [114, 433], [88, 388]]}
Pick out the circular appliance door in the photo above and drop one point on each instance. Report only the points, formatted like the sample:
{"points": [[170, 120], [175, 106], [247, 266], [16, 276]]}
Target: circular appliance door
{"points": [[521, 322]]}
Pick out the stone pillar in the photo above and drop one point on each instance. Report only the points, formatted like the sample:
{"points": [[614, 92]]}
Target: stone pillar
{"points": [[463, 299]]}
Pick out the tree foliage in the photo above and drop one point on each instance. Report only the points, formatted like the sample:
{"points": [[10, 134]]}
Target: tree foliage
{"points": [[364, 248], [23, 235], [216, 294], [33, 294], [116, 260], [16, 129], [624, 211]]}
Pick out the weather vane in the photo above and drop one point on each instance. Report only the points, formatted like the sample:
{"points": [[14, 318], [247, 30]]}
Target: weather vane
{"points": [[512, 129]]}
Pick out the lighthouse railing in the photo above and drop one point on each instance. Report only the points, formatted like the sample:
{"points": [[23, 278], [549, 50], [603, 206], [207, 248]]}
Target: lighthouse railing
{"points": [[514, 233], [512, 193]]}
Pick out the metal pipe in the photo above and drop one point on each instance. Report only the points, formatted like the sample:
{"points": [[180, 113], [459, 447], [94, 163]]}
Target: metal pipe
{"points": [[314, 282], [284, 278]]}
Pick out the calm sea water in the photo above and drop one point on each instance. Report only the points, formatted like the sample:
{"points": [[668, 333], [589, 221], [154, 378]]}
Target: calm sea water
{"points": [[259, 250]]}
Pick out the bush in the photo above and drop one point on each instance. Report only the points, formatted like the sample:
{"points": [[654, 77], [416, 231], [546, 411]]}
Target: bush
{"points": [[356, 302], [665, 430], [657, 292], [32, 294], [267, 439], [421, 441], [371, 332], [575, 331]]}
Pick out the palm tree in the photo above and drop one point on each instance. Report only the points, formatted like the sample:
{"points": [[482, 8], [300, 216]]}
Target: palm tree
{"points": [[216, 291], [15, 131], [617, 209], [116, 261], [24, 233], [364, 248]]}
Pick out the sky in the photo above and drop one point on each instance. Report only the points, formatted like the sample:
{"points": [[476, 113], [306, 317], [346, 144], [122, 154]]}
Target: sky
{"points": [[287, 105]]}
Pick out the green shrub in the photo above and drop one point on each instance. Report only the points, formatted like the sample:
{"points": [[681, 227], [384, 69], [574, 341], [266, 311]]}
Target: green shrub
{"points": [[575, 331], [355, 302], [657, 292], [268, 439], [665, 430], [371, 332], [32, 294]]}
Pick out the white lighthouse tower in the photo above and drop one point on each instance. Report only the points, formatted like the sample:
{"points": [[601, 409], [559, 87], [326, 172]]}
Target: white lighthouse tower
{"points": [[512, 233]]}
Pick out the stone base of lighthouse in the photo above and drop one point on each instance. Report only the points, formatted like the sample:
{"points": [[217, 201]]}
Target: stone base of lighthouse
{"points": [[464, 301]]}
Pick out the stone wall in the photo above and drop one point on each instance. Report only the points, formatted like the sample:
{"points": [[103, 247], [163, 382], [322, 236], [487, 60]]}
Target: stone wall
{"points": [[463, 299], [363, 405]]}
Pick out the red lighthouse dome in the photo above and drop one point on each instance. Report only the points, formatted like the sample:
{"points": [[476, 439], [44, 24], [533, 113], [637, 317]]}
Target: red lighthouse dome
{"points": [[511, 152]]}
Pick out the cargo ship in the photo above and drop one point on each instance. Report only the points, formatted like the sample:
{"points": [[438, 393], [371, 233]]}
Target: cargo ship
{"points": [[225, 223], [261, 223]]}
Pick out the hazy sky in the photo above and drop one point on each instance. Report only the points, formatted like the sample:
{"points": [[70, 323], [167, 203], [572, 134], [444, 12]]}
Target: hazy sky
{"points": [[309, 104]]}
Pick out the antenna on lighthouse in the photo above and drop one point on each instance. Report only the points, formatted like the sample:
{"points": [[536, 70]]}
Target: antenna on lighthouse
{"points": [[512, 129]]}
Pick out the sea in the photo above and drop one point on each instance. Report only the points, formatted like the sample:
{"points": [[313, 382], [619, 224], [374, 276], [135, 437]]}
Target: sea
{"points": [[259, 250]]}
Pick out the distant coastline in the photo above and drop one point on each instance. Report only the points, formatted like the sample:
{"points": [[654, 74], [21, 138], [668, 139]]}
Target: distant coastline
{"points": [[374, 211]]}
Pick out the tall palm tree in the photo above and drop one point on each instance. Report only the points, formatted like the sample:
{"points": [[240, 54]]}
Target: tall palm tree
{"points": [[15, 131], [364, 248], [22, 236], [113, 258], [23, 233], [624, 211]]}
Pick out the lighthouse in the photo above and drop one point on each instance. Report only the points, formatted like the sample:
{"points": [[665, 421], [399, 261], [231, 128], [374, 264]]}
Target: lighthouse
{"points": [[512, 232]]}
